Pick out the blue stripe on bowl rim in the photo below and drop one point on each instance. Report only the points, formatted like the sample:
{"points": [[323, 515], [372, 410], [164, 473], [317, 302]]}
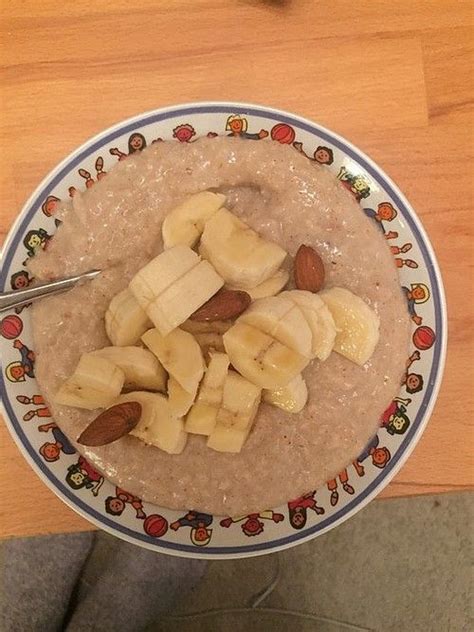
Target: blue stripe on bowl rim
{"points": [[439, 351]]}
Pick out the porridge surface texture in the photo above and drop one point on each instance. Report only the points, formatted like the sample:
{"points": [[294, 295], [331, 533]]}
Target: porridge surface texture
{"points": [[115, 226]]}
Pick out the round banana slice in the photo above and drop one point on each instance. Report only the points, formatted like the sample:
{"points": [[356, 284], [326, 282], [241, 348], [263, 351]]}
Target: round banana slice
{"points": [[283, 320], [237, 252], [357, 324], [319, 319], [260, 358], [291, 398], [184, 224], [125, 320], [140, 366], [158, 425], [180, 355]]}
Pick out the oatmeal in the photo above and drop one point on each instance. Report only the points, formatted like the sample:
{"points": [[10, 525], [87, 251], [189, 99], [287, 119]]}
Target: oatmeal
{"points": [[116, 226]]}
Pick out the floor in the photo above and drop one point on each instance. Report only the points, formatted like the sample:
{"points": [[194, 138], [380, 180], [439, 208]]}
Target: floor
{"points": [[397, 565], [403, 565]]}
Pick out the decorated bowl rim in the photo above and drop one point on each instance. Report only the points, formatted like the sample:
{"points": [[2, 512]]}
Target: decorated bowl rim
{"points": [[361, 499]]}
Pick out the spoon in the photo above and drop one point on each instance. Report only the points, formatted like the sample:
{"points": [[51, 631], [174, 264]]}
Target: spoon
{"points": [[30, 294]]}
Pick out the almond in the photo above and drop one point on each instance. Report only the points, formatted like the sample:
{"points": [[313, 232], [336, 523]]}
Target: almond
{"points": [[308, 269], [223, 305], [113, 423]]}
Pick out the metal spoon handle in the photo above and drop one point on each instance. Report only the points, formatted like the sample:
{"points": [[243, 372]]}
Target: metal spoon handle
{"points": [[30, 294]]}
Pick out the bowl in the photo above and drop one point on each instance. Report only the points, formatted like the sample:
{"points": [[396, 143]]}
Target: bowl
{"points": [[301, 519]]}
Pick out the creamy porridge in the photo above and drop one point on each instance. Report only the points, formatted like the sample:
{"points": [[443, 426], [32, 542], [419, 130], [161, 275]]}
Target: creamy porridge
{"points": [[116, 226]]}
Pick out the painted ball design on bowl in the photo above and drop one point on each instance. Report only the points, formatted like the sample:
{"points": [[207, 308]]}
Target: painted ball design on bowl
{"points": [[423, 337], [283, 133], [11, 326], [155, 525]]}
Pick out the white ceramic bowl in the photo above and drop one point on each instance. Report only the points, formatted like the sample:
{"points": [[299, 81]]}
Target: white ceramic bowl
{"points": [[174, 532]]}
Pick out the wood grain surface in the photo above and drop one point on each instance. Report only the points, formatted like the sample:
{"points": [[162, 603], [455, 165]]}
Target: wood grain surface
{"points": [[393, 77]]}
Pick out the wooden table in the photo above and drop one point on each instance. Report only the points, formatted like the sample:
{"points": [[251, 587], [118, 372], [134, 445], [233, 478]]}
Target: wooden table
{"points": [[393, 77]]}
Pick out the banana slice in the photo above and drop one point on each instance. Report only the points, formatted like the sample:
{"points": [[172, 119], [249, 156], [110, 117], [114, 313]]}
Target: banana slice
{"points": [[185, 223], [260, 358], [281, 319], [95, 383], [161, 272], [319, 319], [180, 355], [227, 439], [240, 402], [141, 368], [149, 402], [202, 417], [180, 401], [158, 426], [125, 320], [270, 287], [213, 383], [357, 324], [183, 297], [237, 252], [291, 398], [173, 286]]}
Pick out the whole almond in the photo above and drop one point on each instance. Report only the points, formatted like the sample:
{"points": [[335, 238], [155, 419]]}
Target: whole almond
{"points": [[110, 425], [308, 269], [223, 305]]}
